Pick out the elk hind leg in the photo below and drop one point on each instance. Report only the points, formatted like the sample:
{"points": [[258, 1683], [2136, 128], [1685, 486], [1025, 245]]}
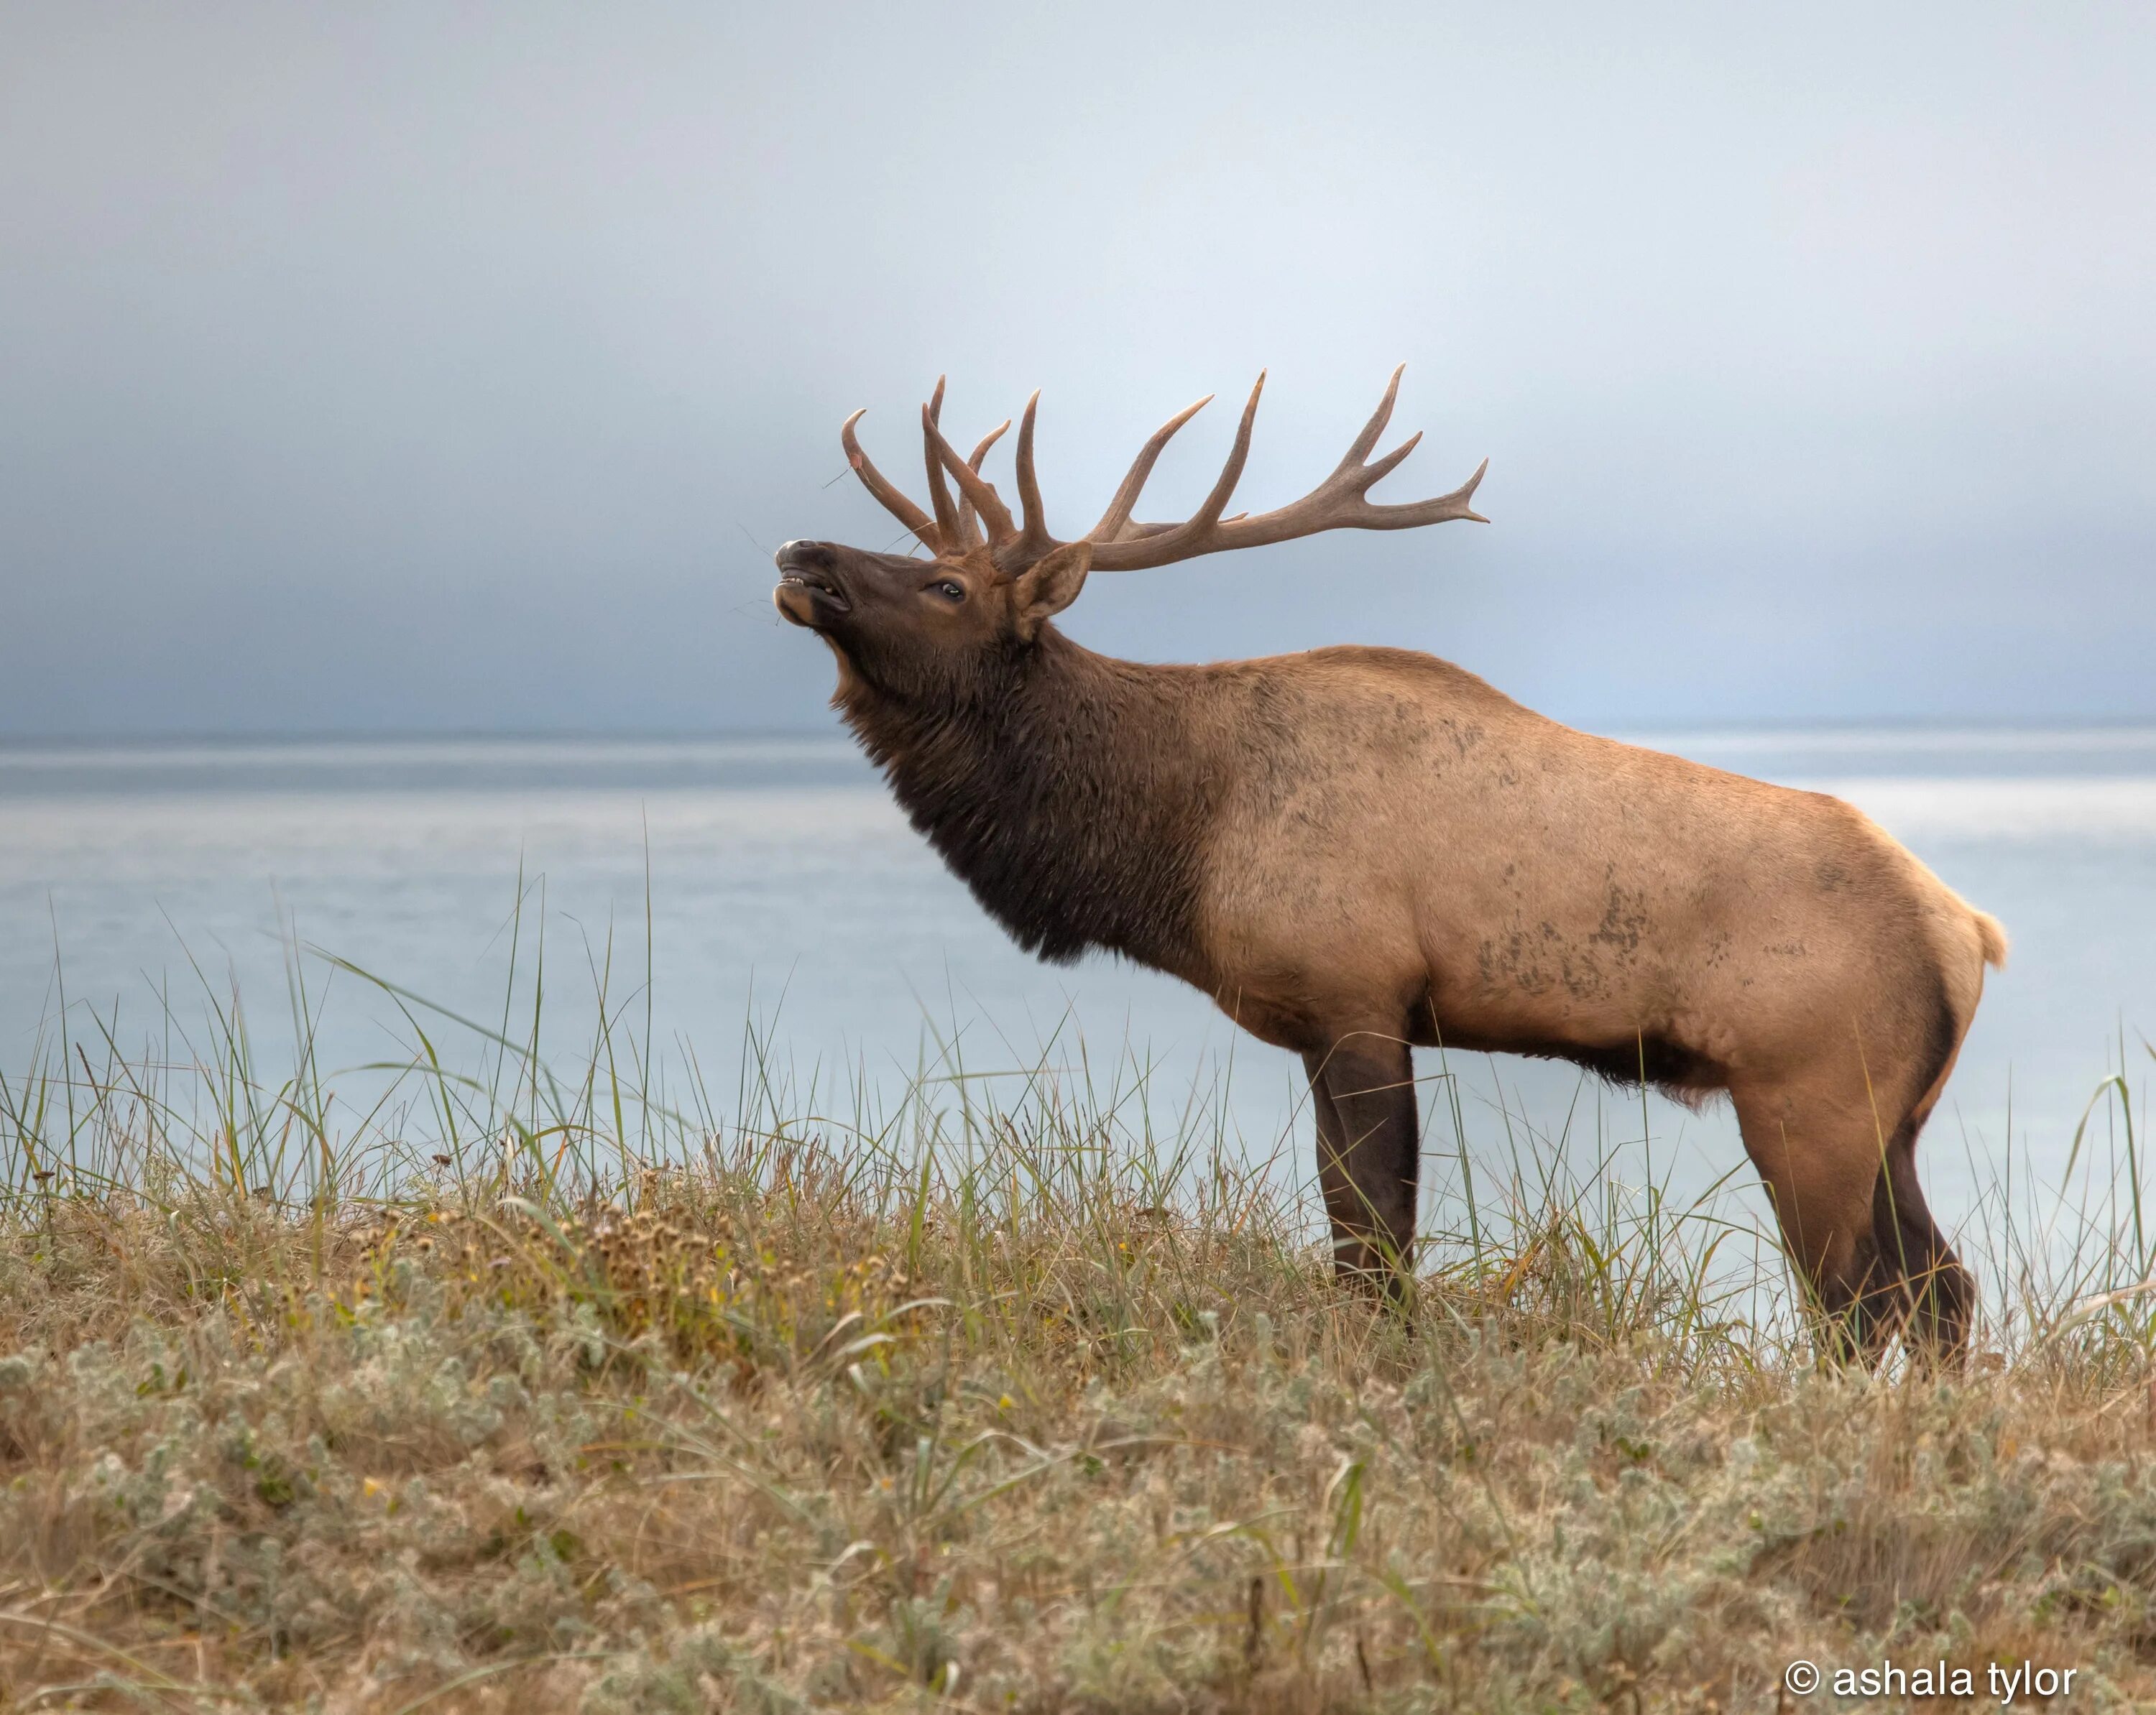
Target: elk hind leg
{"points": [[1915, 1287], [1921, 1288], [1369, 1154], [1816, 1145]]}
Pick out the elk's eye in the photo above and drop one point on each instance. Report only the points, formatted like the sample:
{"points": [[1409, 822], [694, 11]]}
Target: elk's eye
{"points": [[949, 589]]}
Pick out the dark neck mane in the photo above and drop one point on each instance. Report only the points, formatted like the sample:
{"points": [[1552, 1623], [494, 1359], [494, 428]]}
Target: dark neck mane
{"points": [[1064, 791]]}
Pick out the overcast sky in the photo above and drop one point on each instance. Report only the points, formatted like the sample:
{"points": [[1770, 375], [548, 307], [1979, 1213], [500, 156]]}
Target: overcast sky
{"points": [[420, 367]]}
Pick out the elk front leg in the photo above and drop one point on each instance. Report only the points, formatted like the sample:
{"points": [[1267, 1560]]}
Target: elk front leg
{"points": [[1367, 1155]]}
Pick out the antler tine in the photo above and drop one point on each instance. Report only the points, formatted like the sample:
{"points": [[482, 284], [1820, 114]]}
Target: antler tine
{"points": [[1034, 540], [1118, 513], [948, 522], [1359, 449], [967, 509], [1231, 473], [1442, 510], [979, 496], [893, 500]]}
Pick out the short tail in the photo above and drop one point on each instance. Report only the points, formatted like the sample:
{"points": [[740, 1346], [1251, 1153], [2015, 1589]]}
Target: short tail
{"points": [[1992, 934]]}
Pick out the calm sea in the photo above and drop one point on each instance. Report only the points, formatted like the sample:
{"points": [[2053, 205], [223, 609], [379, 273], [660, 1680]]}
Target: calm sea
{"points": [[784, 892]]}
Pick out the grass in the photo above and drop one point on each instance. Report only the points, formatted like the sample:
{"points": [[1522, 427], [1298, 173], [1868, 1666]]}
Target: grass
{"points": [[531, 1389]]}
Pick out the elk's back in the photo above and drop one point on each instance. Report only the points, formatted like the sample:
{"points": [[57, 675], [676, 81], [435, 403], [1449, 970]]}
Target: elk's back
{"points": [[1399, 838]]}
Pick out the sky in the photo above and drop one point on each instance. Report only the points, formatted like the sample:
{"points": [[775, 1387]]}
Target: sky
{"points": [[411, 368]]}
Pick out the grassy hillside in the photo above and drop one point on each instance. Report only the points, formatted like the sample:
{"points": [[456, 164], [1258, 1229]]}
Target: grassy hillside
{"points": [[984, 1410]]}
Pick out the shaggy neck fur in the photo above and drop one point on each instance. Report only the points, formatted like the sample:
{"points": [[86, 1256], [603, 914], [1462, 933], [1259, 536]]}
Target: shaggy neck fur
{"points": [[1063, 787]]}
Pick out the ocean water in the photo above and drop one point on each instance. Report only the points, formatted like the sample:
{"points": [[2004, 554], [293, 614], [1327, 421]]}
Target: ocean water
{"points": [[784, 891]]}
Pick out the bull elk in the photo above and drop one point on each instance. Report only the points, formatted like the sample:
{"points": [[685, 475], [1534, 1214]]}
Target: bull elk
{"points": [[1359, 851]]}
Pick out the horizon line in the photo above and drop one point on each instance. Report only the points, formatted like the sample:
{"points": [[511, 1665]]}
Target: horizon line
{"points": [[1767, 726]]}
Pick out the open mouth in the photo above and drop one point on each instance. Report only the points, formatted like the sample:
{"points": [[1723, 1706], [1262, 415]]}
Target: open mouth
{"points": [[821, 586], [803, 596]]}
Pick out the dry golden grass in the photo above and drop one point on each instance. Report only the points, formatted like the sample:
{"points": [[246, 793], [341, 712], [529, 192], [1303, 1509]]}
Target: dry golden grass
{"points": [[787, 1431]]}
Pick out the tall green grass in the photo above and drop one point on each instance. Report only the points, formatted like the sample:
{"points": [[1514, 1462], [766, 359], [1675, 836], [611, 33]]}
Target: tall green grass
{"points": [[470, 1110], [481, 1107]]}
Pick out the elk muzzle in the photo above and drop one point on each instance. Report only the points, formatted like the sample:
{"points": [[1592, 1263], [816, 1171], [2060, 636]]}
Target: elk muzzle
{"points": [[810, 592]]}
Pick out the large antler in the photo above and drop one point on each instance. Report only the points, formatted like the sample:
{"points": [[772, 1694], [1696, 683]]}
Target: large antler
{"points": [[1340, 502]]}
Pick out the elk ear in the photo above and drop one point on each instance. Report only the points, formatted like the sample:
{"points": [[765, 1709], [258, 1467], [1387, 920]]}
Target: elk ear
{"points": [[1050, 585]]}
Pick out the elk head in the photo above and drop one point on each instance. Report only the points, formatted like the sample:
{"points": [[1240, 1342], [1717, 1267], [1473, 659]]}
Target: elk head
{"points": [[926, 627]]}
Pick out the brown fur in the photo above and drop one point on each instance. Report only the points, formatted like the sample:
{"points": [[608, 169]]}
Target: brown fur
{"points": [[1357, 851]]}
